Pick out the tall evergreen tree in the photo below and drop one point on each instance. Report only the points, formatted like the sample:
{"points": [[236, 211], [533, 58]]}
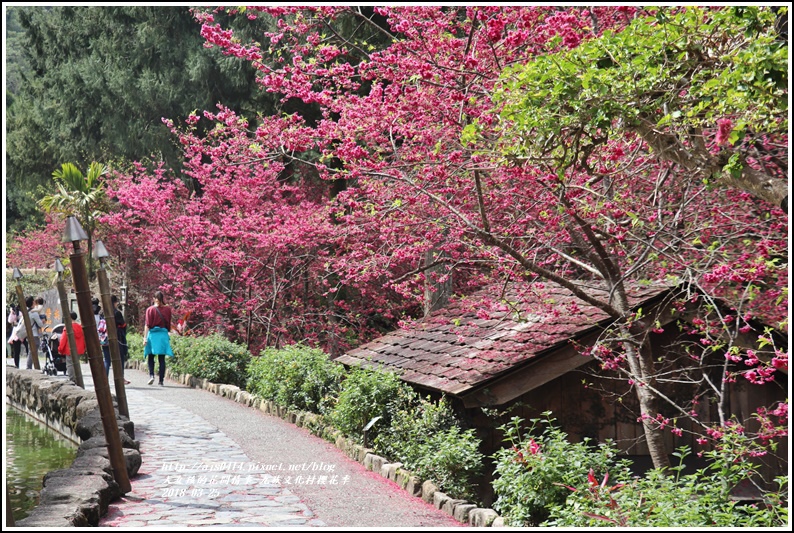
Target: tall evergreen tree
{"points": [[94, 85]]}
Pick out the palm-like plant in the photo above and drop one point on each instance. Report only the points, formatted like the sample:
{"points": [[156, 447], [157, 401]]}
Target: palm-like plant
{"points": [[80, 195]]}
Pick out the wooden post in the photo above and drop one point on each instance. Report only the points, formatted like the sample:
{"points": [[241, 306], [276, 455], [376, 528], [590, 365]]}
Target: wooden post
{"points": [[23, 308], [113, 340], [68, 330], [95, 361]]}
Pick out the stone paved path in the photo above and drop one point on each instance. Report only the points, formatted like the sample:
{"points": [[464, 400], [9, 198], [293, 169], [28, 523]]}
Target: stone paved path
{"points": [[210, 462], [194, 475]]}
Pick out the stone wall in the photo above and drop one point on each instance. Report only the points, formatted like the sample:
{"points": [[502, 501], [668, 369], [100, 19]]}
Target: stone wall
{"points": [[77, 496]]}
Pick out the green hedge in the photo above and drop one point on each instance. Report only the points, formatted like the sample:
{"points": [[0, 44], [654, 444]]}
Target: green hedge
{"points": [[213, 358], [427, 438], [297, 377], [539, 469], [364, 395], [134, 346], [548, 481], [424, 435]]}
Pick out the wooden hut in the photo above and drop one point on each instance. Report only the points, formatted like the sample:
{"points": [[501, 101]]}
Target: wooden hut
{"points": [[529, 353]]}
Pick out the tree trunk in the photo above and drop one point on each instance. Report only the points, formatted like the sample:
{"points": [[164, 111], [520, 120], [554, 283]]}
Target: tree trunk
{"points": [[436, 293], [641, 367], [649, 406], [698, 160]]}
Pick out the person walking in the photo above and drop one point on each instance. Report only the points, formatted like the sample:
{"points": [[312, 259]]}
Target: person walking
{"points": [[102, 332], [37, 327], [157, 324], [12, 320], [16, 333], [96, 308], [121, 333], [63, 345]]}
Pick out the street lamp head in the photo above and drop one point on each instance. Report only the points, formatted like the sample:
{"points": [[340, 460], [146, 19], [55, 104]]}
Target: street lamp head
{"points": [[17, 274], [100, 251], [74, 231], [59, 268]]}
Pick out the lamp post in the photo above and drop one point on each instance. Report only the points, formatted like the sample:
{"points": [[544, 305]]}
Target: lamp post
{"points": [[101, 253], [68, 327], [23, 308], [74, 233], [123, 300]]}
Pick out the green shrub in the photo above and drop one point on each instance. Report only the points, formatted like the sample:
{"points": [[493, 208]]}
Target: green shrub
{"points": [[425, 436], [297, 376], [674, 500], [213, 358], [412, 422], [534, 473], [365, 394], [134, 346], [452, 459]]}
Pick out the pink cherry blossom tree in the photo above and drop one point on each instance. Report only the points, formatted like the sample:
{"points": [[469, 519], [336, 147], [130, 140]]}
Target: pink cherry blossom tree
{"points": [[38, 248], [417, 135], [471, 144]]}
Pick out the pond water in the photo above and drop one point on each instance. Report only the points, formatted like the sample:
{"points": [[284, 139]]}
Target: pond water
{"points": [[32, 450]]}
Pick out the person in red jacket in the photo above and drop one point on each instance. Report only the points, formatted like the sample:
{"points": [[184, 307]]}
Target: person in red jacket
{"points": [[63, 345]]}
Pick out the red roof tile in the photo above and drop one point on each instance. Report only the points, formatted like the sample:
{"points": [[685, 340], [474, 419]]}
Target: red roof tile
{"points": [[473, 340]]}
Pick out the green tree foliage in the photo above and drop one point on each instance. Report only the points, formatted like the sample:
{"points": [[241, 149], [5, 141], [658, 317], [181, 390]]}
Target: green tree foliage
{"points": [[20, 208], [705, 89], [80, 195], [16, 64], [94, 84], [32, 285]]}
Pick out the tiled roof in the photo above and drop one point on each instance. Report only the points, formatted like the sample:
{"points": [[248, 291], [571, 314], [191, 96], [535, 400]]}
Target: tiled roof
{"points": [[472, 340]]}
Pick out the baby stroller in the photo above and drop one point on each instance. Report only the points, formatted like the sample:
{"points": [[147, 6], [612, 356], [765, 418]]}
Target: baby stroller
{"points": [[49, 343]]}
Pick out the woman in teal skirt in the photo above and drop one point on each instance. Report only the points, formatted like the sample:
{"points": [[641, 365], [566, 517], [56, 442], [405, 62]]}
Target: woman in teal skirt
{"points": [[155, 335]]}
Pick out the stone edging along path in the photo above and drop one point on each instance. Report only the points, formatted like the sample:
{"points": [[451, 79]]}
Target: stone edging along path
{"points": [[79, 495], [462, 510]]}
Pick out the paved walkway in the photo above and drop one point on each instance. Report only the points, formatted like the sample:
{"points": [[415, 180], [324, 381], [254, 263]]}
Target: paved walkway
{"points": [[209, 461], [194, 475]]}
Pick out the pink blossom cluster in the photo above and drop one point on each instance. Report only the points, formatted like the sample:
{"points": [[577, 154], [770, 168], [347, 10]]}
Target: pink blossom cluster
{"points": [[532, 448], [38, 248], [724, 128], [661, 422]]}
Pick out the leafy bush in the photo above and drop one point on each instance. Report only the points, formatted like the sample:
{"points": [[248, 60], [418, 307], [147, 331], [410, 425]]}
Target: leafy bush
{"points": [[213, 358], [365, 394], [452, 459], [414, 419], [425, 436], [296, 376], [134, 345], [697, 500], [535, 472]]}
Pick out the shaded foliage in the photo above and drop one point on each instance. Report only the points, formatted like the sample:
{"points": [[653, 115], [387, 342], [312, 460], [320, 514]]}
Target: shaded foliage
{"points": [[84, 95]]}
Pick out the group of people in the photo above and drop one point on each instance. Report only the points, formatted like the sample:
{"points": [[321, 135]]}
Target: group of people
{"points": [[104, 339], [18, 333], [157, 325]]}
